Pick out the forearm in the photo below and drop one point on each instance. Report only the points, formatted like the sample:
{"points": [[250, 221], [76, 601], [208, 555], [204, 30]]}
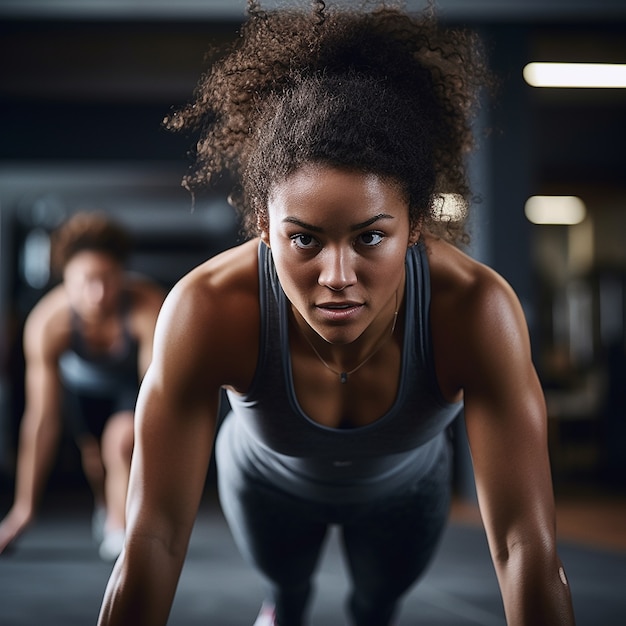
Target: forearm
{"points": [[535, 592], [38, 440], [142, 585], [37, 446]]}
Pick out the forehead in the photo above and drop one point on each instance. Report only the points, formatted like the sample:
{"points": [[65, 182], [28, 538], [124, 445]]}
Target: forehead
{"points": [[315, 187], [92, 261]]}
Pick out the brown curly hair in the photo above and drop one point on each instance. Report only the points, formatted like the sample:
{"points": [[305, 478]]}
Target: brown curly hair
{"points": [[379, 91], [93, 231]]}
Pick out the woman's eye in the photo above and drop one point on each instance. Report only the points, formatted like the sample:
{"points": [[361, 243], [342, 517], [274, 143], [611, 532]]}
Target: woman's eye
{"points": [[372, 238], [306, 242]]}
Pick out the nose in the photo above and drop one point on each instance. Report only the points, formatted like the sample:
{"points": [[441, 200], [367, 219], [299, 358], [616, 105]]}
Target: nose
{"points": [[95, 291], [337, 271]]}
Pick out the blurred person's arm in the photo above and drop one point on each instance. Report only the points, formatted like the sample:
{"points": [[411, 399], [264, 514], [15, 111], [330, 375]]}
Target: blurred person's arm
{"points": [[40, 426]]}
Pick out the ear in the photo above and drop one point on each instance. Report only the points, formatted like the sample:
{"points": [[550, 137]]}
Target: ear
{"points": [[414, 235], [263, 227]]}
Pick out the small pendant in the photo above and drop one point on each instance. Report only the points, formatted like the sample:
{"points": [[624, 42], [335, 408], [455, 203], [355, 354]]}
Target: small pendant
{"points": [[343, 377]]}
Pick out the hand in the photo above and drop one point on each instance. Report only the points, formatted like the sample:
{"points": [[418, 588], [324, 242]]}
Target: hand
{"points": [[16, 521]]}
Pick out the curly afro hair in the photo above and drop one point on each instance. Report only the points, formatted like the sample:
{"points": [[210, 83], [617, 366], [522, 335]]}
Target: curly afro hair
{"points": [[91, 231], [379, 91]]}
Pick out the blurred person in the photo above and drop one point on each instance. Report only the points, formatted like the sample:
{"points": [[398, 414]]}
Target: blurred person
{"points": [[349, 331], [87, 344]]}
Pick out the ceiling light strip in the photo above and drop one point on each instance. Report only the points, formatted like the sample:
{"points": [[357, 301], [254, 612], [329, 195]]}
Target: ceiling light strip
{"points": [[581, 75], [564, 210]]}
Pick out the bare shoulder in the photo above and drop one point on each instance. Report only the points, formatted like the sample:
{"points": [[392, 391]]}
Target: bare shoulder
{"points": [[218, 286], [47, 328], [457, 278], [476, 317], [210, 319]]}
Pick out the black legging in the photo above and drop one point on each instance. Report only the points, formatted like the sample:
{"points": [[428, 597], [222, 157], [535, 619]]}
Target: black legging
{"points": [[388, 542]]}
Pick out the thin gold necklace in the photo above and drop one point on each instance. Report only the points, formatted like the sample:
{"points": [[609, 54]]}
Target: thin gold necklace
{"points": [[343, 376]]}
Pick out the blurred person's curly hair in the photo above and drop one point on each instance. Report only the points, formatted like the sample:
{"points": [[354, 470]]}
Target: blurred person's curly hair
{"points": [[88, 231], [378, 91]]}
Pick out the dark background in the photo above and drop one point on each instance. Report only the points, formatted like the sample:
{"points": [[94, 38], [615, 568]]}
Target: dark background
{"points": [[84, 86]]}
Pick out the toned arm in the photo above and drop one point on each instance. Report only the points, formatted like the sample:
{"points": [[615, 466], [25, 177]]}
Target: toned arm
{"points": [[487, 355], [41, 424], [175, 427]]}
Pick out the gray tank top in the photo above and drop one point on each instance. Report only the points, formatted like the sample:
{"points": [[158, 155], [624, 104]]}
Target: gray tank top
{"points": [[269, 433], [104, 374]]}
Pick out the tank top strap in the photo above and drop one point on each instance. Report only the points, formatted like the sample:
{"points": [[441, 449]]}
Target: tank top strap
{"points": [[418, 296]]}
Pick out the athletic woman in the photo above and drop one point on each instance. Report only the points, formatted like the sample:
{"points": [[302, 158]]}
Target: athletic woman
{"points": [[349, 331]]}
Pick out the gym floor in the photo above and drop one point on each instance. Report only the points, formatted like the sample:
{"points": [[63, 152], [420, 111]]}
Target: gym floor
{"points": [[53, 575]]}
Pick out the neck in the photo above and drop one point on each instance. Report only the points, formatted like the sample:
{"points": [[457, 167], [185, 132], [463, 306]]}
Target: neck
{"points": [[344, 360]]}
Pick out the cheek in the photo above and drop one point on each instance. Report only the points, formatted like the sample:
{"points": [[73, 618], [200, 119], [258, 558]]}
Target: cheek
{"points": [[389, 261], [294, 278]]}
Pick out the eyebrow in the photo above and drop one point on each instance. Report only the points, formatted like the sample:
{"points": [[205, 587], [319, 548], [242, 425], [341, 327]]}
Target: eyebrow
{"points": [[359, 226]]}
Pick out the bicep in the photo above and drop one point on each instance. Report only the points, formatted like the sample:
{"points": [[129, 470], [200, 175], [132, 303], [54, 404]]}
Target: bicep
{"points": [[173, 442], [507, 431], [508, 444], [175, 421]]}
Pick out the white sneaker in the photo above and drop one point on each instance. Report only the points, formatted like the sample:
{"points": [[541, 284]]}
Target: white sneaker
{"points": [[112, 544], [267, 616]]}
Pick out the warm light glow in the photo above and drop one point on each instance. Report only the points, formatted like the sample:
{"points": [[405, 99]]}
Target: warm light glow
{"points": [[599, 75], [555, 210], [450, 207]]}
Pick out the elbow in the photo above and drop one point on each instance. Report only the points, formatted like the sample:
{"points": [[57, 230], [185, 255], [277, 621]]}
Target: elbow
{"points": [[526, 556], [534, 587], [532, 577]]}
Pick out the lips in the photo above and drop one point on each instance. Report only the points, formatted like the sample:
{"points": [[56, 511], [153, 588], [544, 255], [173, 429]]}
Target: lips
{"points": [[338, 311], [338, 305]]}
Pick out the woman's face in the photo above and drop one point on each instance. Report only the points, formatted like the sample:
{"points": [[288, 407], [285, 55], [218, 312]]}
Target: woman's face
{"points": [[339, 241], [93, 281]]}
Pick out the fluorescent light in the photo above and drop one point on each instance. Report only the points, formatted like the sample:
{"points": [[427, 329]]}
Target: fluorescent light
{"points": [[555, 210], [599, 75]]}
